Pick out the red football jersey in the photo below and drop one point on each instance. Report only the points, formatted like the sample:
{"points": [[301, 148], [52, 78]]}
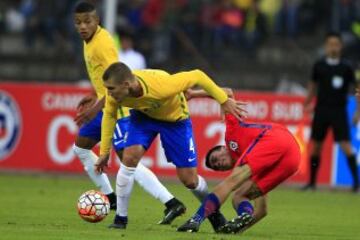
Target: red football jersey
{"points": [[241, 136]]}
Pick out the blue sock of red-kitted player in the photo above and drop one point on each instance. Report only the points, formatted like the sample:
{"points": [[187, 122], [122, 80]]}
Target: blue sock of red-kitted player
{"points": [[245, 207], [210, 205]]}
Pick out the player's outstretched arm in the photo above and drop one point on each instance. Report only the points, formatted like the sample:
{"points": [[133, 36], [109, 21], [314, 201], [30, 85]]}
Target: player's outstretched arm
{"points": [[182, 81], [200, 93]]}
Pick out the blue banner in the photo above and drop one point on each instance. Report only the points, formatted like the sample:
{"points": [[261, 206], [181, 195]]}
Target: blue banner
{"points": [[342, 173]]}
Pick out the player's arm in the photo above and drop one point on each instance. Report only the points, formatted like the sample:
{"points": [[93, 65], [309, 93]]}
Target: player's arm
{"points": [[182, 81], [88, 108], [311, 89], [107, 129], [200, 93], [356, 117], [89, 111], [88, 100], [354, 79], [311, 93]]}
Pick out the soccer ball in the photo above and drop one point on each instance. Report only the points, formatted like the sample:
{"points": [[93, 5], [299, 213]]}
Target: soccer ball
{"points": [[93, 206]]}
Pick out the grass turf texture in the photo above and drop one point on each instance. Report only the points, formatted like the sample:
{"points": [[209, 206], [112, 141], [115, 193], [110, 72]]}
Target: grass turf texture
{"points": [[44, 207]]}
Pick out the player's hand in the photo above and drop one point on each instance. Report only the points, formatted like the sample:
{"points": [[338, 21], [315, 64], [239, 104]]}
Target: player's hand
{"points": [[356, 118], [235, 108], [308, 108], [86, 102], [87, 115], [357, 93], [101, 163]]}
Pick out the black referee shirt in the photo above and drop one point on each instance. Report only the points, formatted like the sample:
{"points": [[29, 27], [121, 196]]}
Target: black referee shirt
{"points": [[333, 81]]}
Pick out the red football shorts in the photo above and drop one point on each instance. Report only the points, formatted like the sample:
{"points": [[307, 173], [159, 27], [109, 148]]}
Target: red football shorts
{"points": [[273, 158]]}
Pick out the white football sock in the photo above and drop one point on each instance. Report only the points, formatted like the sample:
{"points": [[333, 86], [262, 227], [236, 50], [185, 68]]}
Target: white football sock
{"points": [[201, 191], [88, 159], [151, 184], [124, 184]]}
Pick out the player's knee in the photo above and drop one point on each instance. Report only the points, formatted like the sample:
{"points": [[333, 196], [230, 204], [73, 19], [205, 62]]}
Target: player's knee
{"points": [[130, 160], [131, 156], [190, 183], [76, 150], [81, 153]]}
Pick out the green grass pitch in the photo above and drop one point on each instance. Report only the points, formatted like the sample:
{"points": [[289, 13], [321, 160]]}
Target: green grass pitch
{"points": [[43, 207]]}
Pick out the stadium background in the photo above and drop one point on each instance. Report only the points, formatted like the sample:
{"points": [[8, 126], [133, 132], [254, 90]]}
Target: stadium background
{"points": [[266, 45]]}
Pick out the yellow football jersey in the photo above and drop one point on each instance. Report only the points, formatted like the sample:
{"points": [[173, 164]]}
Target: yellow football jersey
{"points": [[163, 99], [99, 53]]}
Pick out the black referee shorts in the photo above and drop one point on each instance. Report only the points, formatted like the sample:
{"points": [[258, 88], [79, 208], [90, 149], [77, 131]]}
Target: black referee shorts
{"points": [[326, 118]]}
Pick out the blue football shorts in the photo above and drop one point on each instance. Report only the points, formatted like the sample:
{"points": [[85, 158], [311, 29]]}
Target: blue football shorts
{"points": [[92, 129], [176, 138], [120, 133]]}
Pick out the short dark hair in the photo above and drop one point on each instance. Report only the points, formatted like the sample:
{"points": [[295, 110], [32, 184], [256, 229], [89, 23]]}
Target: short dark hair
{"points": [[207, 158], [333, 34], [123, 33], [84, 7], [118, 71]]}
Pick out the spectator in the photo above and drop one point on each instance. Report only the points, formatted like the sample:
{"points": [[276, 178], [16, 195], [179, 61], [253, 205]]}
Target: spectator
{"points": [[132, 58], [287, 18], [255, 26], [230, 20]]}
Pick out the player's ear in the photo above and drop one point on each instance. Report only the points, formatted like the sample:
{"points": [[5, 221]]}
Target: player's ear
{"points": [[126, 84], [97, 19]]}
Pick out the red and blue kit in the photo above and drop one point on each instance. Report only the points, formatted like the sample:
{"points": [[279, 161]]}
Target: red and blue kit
{"points": [[269, 149]]}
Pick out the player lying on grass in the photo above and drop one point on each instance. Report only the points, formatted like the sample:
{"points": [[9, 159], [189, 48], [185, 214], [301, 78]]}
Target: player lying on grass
{"points": [[159, 107], [262, 155], [100, 52]]}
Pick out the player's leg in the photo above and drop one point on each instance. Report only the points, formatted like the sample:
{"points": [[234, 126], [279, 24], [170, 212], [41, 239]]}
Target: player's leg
{"points": [[214, 200], [342, 135], [151, 184], [315, 154], [319, 129], [137, 142], [88, 137], [179, 146], [143, 176], [247, 213], [275, 147], [125, 182], [275, 171], [351, 159]]}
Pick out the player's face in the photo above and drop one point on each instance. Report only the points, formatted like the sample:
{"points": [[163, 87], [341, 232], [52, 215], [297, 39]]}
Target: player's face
{"points": [[221, 160], [117, 90], [86, 24], [333, 47]]}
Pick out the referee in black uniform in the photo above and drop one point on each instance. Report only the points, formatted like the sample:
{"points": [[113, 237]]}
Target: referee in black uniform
{"points": [[331, 78]]}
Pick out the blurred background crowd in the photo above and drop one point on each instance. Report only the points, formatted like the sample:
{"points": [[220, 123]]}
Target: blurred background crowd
{"points": [[249, 44]]}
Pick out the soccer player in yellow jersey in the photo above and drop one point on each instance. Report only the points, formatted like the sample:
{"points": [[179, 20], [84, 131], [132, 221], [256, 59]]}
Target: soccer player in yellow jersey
{"points": [[99, 53], [159, 107]]}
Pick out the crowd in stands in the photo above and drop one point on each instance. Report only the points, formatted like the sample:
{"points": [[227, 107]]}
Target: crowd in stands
{"points": [[164, 28]]}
